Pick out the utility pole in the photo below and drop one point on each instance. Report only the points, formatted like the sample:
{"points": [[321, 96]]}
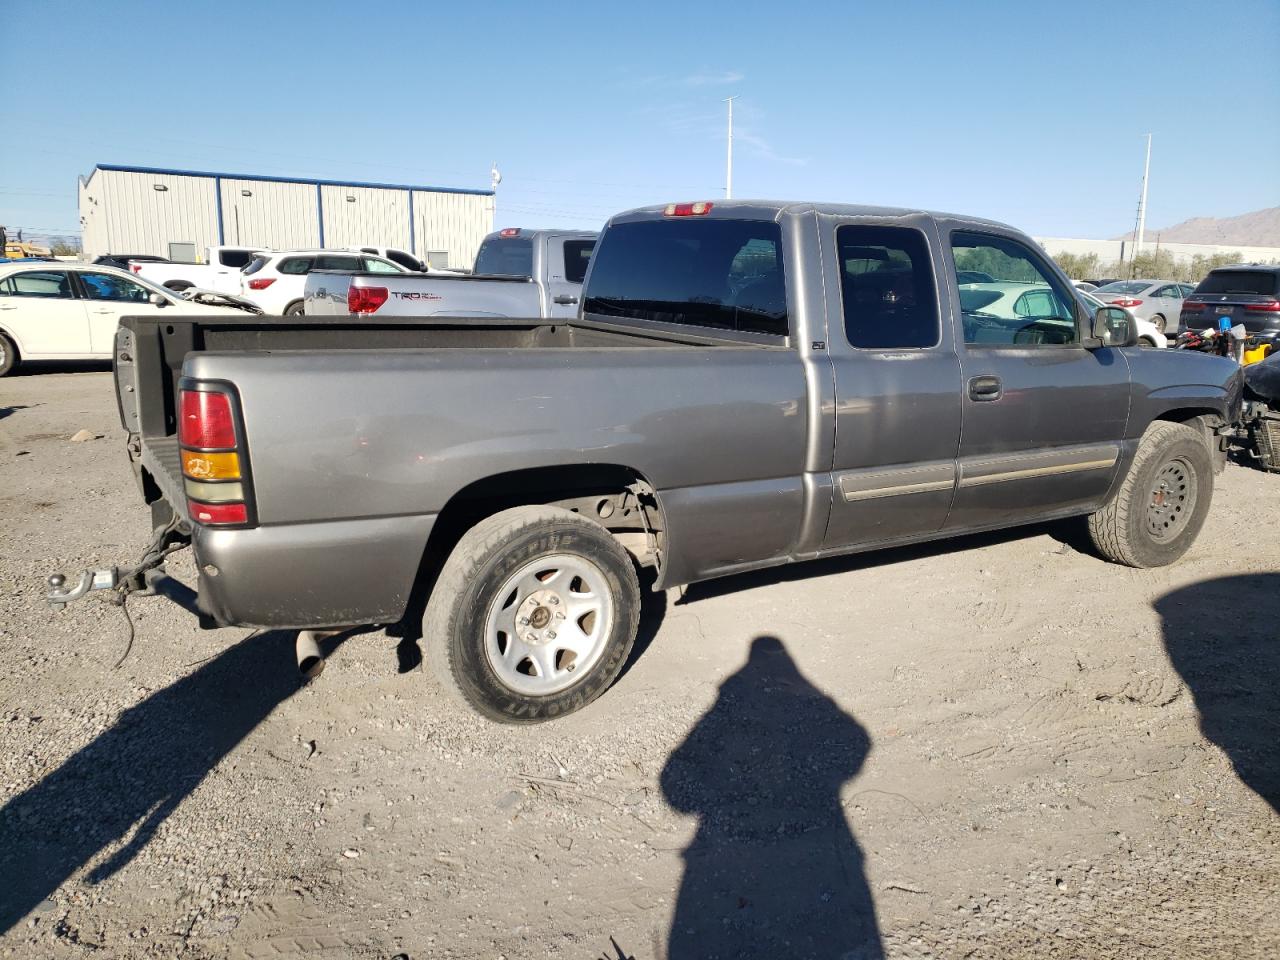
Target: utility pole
{"points": [[728, 174], [1142, 203]]}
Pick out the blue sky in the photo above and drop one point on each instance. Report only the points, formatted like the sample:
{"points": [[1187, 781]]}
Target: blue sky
{"points": [[1031, 113]]}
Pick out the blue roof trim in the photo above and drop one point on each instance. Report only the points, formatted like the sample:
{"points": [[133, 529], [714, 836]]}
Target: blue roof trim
{"points": [[120, 168]]}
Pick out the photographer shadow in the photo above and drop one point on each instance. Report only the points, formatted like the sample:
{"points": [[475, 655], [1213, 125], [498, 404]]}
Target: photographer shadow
{"points": [[1223, 638], [774, 870]]}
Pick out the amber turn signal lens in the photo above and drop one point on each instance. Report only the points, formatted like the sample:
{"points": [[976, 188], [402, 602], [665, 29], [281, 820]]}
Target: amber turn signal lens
{"points": [[211, 466]]}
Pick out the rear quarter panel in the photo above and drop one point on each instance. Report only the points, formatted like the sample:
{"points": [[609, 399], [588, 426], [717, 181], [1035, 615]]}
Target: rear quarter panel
{"points": [[719, 432]]}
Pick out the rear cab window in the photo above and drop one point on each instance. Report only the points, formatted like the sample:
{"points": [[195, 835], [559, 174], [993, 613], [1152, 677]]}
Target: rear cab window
{"points": [[723, 274], [505, 257], [256, 264], [235, 258]]}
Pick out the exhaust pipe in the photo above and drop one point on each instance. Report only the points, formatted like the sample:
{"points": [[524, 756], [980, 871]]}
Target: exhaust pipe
{"points": [[310, 656]]}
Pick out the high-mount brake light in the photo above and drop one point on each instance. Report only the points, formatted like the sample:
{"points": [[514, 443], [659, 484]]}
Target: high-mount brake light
{"points": [[366, 299], [689, 209], [509, 232], [212, 461], [135, 267], [261, 283]]}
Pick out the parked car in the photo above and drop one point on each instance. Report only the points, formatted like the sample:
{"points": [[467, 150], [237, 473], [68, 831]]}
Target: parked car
{"points": [[1148, 335], [402, 257], [276, 281], [121, 261], [220, 270], [1248, 294], [70, 311], [518, 273], [747, 384], [1084, 286], [1159, 301]]}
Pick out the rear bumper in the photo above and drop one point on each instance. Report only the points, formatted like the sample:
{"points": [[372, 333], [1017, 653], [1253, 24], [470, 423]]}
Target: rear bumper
{"points": [[341, 573]]}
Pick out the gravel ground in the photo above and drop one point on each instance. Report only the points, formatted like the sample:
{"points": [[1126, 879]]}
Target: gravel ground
{"points": [[996, 747]]}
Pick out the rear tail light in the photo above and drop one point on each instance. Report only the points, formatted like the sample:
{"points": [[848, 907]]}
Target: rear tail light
{"points": [[212, 459], [1272, 306], [1191, 306], [261, 283], [688, 209], [1126, 302], [366, 299]]}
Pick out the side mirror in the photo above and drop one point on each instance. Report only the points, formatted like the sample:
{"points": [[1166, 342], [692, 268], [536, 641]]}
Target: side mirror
{"points": [[1115, 327], [157, 300]]}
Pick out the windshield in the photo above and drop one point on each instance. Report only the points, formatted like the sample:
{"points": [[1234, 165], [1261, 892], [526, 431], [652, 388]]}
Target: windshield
{"points": [[1265, 283], [505, 257], [1125, 286]]}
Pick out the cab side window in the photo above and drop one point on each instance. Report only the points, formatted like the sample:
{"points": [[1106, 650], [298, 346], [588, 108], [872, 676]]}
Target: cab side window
{"points": [[47, 284], [1022, 304], [887, 286]]}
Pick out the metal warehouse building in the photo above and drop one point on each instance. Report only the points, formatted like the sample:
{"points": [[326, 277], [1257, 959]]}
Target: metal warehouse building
{"points": [[177, 213]]}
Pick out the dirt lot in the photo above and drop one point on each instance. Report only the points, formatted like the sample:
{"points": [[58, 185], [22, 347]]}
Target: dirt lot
{"points": [[997, 747]]}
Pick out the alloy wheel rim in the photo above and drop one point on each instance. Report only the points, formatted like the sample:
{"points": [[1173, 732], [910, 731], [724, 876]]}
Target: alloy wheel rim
{"points": [[1172, 499], [548, 624]]}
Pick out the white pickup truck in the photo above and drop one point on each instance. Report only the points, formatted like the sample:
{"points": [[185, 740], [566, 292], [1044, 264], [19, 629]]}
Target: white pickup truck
{"points": [[518, 273], [220, 270]]}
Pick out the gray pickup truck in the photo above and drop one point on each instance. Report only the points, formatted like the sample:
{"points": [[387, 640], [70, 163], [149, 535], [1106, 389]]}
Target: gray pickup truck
{"points": [[748, 384], [518, 273]]}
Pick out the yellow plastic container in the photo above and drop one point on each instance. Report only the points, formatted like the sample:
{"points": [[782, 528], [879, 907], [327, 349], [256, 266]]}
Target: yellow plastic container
{"points": [[1256, 354]]}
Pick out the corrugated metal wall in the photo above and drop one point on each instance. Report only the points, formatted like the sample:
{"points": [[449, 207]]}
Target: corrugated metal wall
{"points": [[264, 213], [356, 216], [123, 212], [455, 222]]}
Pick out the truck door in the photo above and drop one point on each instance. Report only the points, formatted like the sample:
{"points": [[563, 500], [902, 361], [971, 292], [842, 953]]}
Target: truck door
{"points": [[1043, 416], [566, 261], [897, 384]]}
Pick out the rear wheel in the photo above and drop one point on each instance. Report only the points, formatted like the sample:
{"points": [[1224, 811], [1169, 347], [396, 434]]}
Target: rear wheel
{"points": [[533, 615], [8, 355], [294, 309], [1158, 321], [1146, 342], [1160, 507]]}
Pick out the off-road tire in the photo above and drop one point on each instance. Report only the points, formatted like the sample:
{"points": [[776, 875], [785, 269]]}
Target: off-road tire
{"points": [[8, 355], [294, 309], [454, 624], [1120, 529]]}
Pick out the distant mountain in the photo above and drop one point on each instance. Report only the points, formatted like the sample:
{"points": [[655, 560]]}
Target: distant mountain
{"points": [[1258, 229]]}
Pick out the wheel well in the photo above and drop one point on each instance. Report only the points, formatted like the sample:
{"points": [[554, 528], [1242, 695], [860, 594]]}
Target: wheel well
{"points": [[1205, 418], [617, 497], [17, 348]]}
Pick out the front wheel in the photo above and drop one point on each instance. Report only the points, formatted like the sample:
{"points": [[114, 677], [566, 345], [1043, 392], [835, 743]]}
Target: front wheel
{"points": [[1160, 507], [533, 615]]}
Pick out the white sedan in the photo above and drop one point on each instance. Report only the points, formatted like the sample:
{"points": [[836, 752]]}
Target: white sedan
{"points": [[70, 311]]}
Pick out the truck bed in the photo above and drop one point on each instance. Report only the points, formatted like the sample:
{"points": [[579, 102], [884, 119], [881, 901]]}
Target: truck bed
{"points": [[150, 352]]}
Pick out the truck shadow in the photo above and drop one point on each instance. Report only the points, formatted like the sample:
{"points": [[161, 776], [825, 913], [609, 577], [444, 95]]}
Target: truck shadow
{"points": [[1223, 638], [31, 368], [137, 772], [774, 870]]}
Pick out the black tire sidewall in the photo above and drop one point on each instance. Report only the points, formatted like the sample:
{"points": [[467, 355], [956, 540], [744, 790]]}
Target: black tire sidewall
{"points": [[294, 309], [10, 358], [470, 667], [1148, 551]]}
